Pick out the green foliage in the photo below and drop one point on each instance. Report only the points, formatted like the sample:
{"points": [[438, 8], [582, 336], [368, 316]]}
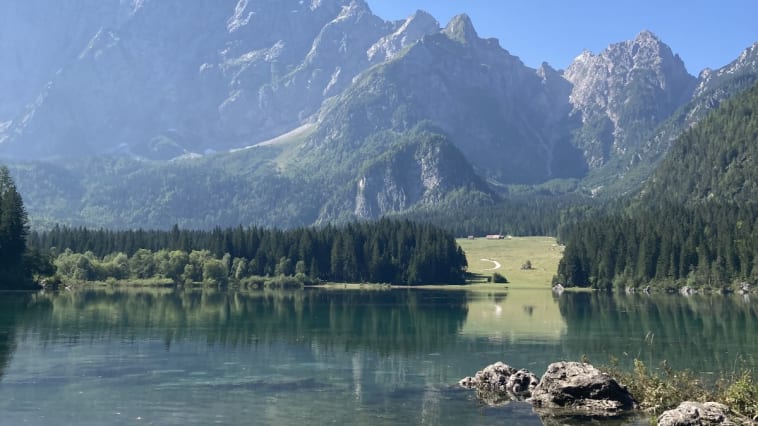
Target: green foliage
{"points": [[389, 251], [741, 395], [715, 160], [498, 278], [522, 215], [658, 390], [18, 267], [694, 224]]}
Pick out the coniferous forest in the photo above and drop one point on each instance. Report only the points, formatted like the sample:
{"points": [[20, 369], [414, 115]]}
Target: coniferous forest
{"points": [[696, 221], [17, 265], [387, 251]]}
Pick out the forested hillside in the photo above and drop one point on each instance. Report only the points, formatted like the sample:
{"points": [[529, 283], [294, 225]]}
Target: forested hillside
{"points": [[695, 223]]}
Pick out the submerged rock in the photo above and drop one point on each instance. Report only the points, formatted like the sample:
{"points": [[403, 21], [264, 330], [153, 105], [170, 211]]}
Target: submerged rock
{"points": [[696, 414], [574, 387], [499, 382]]}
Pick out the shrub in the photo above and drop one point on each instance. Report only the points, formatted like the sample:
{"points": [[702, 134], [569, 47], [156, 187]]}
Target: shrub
{"points": [[499, 278]]}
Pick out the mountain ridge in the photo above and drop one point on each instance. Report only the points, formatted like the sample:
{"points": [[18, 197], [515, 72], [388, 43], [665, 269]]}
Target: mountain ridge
{"points": [[423, 115]]}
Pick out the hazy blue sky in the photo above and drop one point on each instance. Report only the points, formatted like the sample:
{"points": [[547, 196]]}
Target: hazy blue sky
{"points": [[704, 33]]}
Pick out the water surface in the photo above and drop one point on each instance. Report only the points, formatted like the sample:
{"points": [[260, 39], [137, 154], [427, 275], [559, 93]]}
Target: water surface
{"points": [[320, 356]]}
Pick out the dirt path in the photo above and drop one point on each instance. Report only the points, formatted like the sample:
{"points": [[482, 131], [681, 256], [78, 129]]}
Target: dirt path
{"points": [[496, 264]]}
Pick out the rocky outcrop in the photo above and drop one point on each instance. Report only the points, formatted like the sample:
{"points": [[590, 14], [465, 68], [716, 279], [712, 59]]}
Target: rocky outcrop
{"points": [[420, 172], [575, 387], [412, 30], [500, 383], [696, 414], [566, 389]]}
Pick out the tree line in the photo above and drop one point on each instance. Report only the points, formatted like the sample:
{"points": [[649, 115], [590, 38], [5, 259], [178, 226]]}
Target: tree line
{"points": [[696, 221], [386, 251], [706, 245]]}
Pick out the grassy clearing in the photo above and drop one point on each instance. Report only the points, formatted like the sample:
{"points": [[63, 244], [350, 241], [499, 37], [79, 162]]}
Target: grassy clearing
{"points": [[543, 252]]}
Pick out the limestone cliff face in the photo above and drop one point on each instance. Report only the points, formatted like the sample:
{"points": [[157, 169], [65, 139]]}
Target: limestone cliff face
{"points": [[198, 76], [623, 93], [511, 122], [412, 30], [416, 174], [712, 88]]}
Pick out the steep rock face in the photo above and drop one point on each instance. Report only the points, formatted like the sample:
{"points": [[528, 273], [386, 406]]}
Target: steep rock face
{"points": [[39, 37], [500, 114], [422, 172], [623, 93], [713, 87], [271, 95], [140, 81], [412, 30]]}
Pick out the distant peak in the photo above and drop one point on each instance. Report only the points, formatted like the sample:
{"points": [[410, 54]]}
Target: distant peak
{"points": [[420, 19], [421, 14], [461, 29], [356, 6], [545, 69], [647, 35]]}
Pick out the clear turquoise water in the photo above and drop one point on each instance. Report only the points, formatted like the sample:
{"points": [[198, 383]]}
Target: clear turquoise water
{"points": [[330, 357]]}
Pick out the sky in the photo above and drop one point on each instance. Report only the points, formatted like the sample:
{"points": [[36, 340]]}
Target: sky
{"points": [[705, 34]]}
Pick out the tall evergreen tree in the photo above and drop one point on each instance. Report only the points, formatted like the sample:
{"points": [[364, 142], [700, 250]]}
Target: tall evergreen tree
{"points": [[14, 228]]}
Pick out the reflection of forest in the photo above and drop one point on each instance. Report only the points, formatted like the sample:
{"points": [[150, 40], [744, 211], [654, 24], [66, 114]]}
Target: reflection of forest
{"points": [[382, 321], [15, 308], [704, 333]]}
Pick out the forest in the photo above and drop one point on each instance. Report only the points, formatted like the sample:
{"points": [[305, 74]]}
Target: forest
{"points": [[696, 221], [386, 251], [17, 265]]}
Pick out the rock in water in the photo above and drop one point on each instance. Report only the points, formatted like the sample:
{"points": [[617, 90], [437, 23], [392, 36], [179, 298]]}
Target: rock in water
{"points": [[499, 383], [580, 387], [696, 414]]}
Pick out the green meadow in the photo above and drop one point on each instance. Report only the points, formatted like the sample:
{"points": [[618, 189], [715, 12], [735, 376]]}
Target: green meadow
{"points": [[507, 256]]}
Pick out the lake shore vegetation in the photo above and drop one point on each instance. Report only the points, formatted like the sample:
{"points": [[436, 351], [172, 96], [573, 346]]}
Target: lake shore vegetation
{"points": [[386, 251]]}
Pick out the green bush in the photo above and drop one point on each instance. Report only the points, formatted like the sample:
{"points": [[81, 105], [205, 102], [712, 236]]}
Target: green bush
{"points": [[499, 278]]}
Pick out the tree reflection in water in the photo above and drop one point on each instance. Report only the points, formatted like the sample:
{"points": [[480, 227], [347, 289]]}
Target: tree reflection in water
{"points": [[397, 321], [707, 333]]}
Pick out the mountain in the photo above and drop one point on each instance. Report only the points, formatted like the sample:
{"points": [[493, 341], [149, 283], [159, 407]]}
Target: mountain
{"points": [[205, 75], [694, 224], [505, 118], [712, 88], [714, 160], [145, 113], [623, 93]]}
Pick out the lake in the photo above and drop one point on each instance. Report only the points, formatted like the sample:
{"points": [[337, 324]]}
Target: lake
{"points": [[325, 356]]}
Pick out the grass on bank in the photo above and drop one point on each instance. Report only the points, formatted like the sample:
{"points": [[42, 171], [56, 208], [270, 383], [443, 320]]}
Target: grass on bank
{"points": [[544, 253], [658, 390]]}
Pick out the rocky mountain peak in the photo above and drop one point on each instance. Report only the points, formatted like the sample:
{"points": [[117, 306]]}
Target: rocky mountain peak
{"points": [[461, 29], [647, 36], [354, 8], [410, 31], [746, 66], [630, 86]]}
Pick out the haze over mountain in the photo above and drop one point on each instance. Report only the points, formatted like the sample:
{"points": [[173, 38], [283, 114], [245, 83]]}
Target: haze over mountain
{"points": [[314, 111]]}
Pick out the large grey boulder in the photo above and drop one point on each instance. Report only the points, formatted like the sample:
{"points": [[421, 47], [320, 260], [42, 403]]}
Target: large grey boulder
{"points": [[499, 383], [690, 413], [570, 387]]}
